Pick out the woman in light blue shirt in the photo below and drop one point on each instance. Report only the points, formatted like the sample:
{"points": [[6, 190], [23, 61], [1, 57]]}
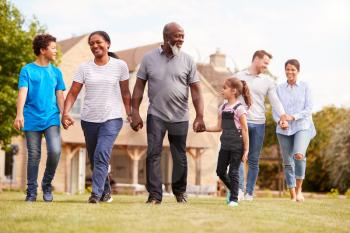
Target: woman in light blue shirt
{"points": [[294, 139]]}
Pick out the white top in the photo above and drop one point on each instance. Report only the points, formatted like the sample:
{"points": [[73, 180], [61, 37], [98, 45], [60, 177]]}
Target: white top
{"points": [[260, 86], [102, 100]]}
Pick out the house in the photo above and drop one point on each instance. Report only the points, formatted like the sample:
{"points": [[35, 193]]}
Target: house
{"points": [[129, 151]]}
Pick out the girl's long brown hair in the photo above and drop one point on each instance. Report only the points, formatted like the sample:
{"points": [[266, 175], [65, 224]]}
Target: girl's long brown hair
{"points": [[242, 89]]}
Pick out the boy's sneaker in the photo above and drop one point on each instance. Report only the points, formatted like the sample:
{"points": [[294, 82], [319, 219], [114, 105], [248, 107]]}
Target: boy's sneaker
{"points": [[240, 195], [94, 199], [47, 194], [228, 195], [31, 197], [232, 204], [106, 198], [248, 197]]}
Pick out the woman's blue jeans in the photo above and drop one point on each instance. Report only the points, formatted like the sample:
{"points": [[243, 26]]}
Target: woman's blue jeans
{"points": [[291, 145]]}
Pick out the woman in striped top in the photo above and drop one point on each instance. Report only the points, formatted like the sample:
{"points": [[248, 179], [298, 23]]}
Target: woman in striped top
{"points": [[106, 86]]}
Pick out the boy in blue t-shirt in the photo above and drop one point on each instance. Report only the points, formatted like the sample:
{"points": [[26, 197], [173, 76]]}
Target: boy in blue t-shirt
{"points": [[39, 104]]}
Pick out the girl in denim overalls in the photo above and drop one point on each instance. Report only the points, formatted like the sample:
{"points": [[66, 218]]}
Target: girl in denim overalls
{"points": [[234, 139]]}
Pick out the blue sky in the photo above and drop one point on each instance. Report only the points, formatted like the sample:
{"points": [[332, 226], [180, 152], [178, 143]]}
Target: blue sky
{"points": [[317, 33]]}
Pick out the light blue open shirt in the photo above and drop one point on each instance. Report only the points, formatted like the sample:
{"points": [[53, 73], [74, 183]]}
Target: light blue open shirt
{"points": [[297, 102]]}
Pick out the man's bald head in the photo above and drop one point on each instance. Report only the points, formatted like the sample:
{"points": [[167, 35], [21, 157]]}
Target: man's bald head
{"points": [[171, 28]]}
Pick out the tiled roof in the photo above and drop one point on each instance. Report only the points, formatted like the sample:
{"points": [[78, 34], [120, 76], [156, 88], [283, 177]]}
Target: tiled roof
{"points": [[134, 56], [69, 43], [214, 77]]}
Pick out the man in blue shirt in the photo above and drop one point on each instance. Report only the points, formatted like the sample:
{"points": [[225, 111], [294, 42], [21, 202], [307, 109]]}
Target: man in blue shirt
{"points": [[39, 104]]}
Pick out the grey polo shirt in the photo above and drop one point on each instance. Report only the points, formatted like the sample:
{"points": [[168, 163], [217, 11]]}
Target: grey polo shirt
{"points": [[168, 84]]}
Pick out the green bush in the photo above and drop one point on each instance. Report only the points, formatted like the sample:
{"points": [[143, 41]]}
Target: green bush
{"points": [[334, 193], [347, 193], [268, 175]]}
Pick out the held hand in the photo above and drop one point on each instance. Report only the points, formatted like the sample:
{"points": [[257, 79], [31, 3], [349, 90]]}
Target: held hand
{"points": [[129, 119], [198, 125], [136, 121], [67, 121], [283, 117], [283, 124], [289, 118], [18, 124], [245, 156]]}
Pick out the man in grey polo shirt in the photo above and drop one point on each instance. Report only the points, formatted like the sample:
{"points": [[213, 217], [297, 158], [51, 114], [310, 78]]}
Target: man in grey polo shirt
{"points": [[260, 86], [170, 74]]}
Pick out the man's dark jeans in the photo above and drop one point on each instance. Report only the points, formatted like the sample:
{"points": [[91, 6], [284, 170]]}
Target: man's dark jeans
{"points": [[177, 134]]}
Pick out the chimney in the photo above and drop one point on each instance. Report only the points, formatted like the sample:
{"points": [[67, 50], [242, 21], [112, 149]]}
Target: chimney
{"points": [[218, 60]]}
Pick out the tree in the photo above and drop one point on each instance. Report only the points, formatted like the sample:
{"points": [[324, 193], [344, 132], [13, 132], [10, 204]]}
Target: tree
{"points": [[270, 128], [337, 157], [15, 51], [317, 176]]}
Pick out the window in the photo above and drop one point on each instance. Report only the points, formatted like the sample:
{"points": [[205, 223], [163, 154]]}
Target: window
{"points": [[9, 161]]}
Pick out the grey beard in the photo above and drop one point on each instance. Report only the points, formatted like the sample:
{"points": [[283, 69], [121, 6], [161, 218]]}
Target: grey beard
{"points": [[174, 49]]}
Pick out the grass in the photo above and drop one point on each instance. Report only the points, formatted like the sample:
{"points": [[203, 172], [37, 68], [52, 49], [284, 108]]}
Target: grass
{"points": [[71, 213]]}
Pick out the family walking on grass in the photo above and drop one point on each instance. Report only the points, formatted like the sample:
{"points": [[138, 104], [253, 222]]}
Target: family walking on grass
{"points": [[170, 75]]}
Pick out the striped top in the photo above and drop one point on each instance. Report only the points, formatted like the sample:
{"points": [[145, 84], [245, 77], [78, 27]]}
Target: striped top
{"points": [[102, 100]]}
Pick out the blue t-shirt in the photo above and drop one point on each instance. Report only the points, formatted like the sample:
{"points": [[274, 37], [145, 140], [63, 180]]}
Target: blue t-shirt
{"points": [[40, 109]]}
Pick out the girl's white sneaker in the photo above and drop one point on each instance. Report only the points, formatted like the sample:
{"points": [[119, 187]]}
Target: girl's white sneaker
{"points": [[232, 204]]}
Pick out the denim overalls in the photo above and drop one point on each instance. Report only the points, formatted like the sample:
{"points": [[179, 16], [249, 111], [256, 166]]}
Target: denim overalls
{"points": [[231, 152]]}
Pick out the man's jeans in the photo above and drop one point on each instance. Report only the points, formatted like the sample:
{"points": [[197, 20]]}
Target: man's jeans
{"points": [[177, 134], [256, 139], [53, 144], [99, 139]]}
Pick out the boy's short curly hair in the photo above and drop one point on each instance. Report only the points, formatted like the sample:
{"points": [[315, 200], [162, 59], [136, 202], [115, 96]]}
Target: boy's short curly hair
{"points": [[42, 41]]}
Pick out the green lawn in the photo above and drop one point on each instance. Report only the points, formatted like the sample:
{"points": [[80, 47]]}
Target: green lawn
{"points": [[129, 214]]}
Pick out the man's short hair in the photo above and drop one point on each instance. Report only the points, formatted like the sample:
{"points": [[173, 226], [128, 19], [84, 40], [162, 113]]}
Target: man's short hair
{"points": [[42, 41], [260, 54]]}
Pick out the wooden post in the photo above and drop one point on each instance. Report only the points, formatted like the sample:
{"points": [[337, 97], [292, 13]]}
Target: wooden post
{"points": [[196, 154], [198, 170], [81, 172], [135, 154], [135, 169], [280, 172], [69, 155], [2, 167]]}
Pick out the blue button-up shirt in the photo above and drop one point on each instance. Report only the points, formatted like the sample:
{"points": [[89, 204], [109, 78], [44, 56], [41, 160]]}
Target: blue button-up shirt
{"points": [[297, 102]]}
